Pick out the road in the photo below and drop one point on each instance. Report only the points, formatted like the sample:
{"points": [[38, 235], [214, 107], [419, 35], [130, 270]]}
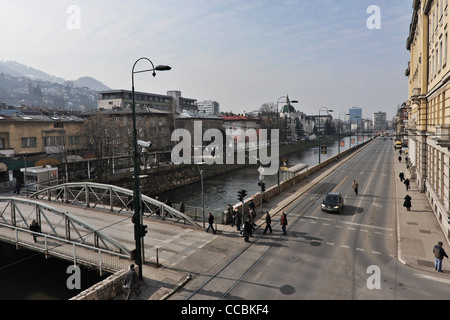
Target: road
{"points": [[352, 255]]}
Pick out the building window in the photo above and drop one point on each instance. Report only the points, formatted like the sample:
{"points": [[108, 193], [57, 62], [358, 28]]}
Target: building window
{"points": [[58, 125], [29, 143], [445, 50], [2, 143], [53, 141]]}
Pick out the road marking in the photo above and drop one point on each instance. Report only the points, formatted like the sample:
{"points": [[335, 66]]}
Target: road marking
{"points": [[360, 249], [330, 243], [376, 252], [344, 246]]}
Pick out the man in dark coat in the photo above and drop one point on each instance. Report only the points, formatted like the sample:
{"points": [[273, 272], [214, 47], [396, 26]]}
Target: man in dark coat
{"points": [[439, 254], [268, 223], [248, 229]]}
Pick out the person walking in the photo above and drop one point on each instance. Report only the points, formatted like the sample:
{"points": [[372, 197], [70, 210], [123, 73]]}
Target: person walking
{"points": [[439, 254], [268, 223], [238, 219], [210, 222], [406, 182], [283, 222], [248, 229], [131, 282], [34, 226], [182, 207], [402, 176], [407, 202], [355, 187]]}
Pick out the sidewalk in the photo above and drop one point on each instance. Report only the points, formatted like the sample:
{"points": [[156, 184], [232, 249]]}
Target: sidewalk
{"points": [[418, 230]]}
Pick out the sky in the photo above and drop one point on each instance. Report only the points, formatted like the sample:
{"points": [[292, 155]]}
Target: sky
{"points": [[335, 54]]}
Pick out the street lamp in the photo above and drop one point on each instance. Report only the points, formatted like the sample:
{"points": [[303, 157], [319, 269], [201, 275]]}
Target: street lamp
{"points": [[278, 127], [203, 196], [328, 111], [137, 192], [340, 128]]}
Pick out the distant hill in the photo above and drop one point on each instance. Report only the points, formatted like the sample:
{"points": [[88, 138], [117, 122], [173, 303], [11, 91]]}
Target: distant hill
{"points": [[23, 85], [90, 83], [17, 69]]}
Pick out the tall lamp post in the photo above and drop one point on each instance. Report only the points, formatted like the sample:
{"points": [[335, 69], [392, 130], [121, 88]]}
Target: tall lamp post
{"points": [[320, 120], [278, 128], [137, 192], [340, 128]]}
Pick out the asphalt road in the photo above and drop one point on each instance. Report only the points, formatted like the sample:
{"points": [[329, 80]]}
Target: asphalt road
{"points": [[352, 255]]}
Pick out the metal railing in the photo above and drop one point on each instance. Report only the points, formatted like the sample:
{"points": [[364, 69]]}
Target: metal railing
{"points": [[78, 253]]}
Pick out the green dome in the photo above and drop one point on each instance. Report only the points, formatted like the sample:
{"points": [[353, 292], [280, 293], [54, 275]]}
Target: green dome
{"points": [[288, 109]]}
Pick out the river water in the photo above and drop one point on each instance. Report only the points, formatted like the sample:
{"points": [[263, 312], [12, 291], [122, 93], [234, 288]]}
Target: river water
{"points": [[27, 275], [222, 190]]}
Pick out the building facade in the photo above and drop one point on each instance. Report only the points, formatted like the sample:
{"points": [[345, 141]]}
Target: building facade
{"points": [[208, 107], [428, 105], [379, 121]]}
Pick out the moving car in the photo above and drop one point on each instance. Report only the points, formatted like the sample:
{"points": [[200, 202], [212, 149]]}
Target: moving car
{"points": [[333, 202]]}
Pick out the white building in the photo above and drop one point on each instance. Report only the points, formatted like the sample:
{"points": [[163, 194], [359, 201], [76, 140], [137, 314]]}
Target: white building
{"points": [[208, 107]]}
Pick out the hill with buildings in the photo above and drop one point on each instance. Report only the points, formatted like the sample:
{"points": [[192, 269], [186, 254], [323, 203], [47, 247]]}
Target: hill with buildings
{"points": [[23, 85]]}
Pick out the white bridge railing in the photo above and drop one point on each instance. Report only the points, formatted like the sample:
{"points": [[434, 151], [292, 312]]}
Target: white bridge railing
{"points": [[79, 253]]}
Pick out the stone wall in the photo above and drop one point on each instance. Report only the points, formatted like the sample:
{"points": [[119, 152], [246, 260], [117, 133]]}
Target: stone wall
{"points": [[106, 289]]}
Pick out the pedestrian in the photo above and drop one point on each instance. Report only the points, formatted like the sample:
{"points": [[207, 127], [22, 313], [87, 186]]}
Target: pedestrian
{"points": [[210, 222], [439, 254], [406, 182], [407, 202], [399, 158], [18, 187], [182, 207], [248, 228], [238, 219], [34, 226], [131, 282], [283, 222], [251, 205], [355, 187], [231, 214], [268, 223], [402, 176]]}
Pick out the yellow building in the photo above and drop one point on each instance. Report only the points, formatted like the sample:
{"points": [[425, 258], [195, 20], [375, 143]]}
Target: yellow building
{"points": [[38, 134], [429, 104]]}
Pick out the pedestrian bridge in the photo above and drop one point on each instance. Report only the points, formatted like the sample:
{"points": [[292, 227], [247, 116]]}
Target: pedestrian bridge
{"points": [[109, 197], [62, 235]]}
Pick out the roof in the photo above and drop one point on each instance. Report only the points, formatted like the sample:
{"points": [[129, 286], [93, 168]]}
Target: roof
{"points": [[237, 117]]}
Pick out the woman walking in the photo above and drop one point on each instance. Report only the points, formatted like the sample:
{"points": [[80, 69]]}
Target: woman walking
{"points": [[407, 202]]}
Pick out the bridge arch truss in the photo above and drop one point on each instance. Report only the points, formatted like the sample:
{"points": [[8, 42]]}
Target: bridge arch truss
{"points": [[109, 197]]}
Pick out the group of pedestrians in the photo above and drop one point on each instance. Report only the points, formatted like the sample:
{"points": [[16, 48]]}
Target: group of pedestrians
{"points": [[407, 199], [247, 227]]}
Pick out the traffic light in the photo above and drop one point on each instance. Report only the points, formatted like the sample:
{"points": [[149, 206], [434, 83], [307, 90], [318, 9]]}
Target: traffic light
{"points": [[143, 230], [241, 194], [262, 185], [323, 149]]}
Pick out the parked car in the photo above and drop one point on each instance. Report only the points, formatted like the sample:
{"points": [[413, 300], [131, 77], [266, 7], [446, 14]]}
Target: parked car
{"points": [[333, 202]]}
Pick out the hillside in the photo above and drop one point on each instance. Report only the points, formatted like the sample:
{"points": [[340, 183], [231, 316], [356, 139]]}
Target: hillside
{"points": [[23, 85]]}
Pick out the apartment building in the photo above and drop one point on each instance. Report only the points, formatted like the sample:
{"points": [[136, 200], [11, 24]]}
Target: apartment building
{"points": [[428, 105]]}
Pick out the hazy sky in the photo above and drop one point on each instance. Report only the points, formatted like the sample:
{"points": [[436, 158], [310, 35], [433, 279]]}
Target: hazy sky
{"points": [[241, 53]]}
